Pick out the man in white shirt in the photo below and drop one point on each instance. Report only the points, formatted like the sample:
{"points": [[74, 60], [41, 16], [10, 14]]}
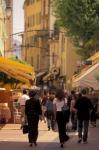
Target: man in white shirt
{"points": [[22, 100]]}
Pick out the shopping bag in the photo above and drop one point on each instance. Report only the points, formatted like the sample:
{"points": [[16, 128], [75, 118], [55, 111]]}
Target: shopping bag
{"points": [[69, 126], [25, 129]]}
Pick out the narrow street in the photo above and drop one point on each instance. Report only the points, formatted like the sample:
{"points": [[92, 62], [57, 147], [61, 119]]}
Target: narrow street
{"points": [[11, 138]]}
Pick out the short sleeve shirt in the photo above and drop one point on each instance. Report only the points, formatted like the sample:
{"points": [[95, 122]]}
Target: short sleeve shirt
{"points": [[23, 99], [59, 104]]}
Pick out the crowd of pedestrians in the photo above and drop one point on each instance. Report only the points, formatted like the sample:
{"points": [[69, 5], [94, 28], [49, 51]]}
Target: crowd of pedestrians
{"points": [[59, 109]]}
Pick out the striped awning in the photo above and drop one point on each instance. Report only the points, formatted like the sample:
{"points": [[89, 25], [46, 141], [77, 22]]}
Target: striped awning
{"points": [[87, 79]]}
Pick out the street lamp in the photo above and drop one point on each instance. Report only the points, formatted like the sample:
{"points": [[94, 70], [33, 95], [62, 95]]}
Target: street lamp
{"points": [[7, 17]]}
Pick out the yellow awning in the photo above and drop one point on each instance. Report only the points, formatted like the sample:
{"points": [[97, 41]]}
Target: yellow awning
{"points": [[17, 65], [19, 71]]}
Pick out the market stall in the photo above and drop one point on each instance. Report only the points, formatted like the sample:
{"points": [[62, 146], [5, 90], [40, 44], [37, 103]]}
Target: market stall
{"points": [[6, 112], [89, 78]]}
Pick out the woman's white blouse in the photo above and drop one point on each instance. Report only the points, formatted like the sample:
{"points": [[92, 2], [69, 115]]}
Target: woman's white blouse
{"points": [[59, 104]]}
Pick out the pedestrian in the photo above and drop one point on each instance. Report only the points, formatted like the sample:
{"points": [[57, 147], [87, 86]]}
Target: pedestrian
{"points": [[5, 113], [83, 106], [22, 100], [43, 104], [72, 94], [69, 99], [73, 115], [68, 106], [93, 117], [33, 113], [58, 104], [50, 112]]}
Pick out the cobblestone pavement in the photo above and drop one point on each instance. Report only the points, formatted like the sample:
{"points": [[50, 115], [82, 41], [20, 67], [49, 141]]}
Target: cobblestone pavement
{"points": [[11, 138]]}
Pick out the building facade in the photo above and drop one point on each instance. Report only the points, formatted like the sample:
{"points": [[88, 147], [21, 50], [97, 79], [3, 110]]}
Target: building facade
{"points": [[69, 61], [9, 29], [2, 27], [45, 45], [5, 27], [34, 38]]}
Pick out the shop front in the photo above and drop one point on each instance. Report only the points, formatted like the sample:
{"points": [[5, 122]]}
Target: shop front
{"points": [[54, 80], [13, 71], [6, 106]]}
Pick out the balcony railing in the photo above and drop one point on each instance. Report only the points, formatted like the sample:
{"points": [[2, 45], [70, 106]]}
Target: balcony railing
{"points": [[43, 33]]}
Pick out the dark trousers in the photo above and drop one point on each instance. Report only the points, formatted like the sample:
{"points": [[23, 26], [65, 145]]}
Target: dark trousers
{"points": [[60, 118], [74, 120], [83, 128], [33, 128], [93, 117]]}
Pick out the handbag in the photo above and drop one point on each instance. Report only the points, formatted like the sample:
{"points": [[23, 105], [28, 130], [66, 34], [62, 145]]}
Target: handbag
{"points": [[25, 129], [65, 107]]}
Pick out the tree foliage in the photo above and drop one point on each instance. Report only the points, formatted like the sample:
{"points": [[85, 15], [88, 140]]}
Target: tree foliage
{"points": [[80, 19]]}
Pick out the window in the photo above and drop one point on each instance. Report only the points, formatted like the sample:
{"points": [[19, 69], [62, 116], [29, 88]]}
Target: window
{"points": [[39, 17], [0, 2], [38, 62], [46, 7], [32, 62], [29, 2], [28, 22], [34, 40], [36, 18], [32, 1]]}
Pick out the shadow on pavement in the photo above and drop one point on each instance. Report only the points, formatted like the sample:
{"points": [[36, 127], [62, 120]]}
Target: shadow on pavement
{"points": [[72, 145], [14, 142]]}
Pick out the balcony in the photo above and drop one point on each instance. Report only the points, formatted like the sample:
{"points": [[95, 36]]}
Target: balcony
{"points": [[43, 33]]}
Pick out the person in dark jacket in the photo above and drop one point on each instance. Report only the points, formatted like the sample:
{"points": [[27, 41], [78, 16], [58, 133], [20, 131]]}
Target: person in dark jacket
{"points": [[33, 112], [83, 107], [93, 117]]}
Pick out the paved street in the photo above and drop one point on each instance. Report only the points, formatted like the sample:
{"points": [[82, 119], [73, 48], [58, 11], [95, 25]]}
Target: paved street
{"points": [[11, 138]]}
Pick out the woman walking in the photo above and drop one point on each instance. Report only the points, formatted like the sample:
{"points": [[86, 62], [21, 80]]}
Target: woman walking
{"points": [[33, 113], [59, 103], [73, 114]]}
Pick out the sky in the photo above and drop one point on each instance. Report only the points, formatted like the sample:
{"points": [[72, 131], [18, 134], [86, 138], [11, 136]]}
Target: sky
{"points": [[18, 16]]}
